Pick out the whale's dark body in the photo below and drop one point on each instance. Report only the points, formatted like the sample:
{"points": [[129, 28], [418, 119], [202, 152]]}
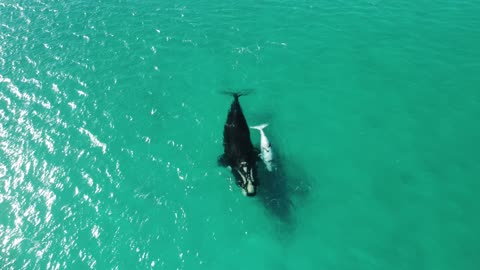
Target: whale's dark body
{"points": [[239, 152]]}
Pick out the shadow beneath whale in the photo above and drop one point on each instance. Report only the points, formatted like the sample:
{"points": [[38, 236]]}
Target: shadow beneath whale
{"points": [[283, 189], [274, 194]]}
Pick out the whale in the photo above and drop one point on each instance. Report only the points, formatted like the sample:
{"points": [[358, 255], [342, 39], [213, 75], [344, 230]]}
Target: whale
{"points": [[265, 146], [239, 153]]}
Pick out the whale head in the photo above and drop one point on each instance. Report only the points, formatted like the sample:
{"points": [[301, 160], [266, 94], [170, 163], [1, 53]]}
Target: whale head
{"points": [[244, 173]]}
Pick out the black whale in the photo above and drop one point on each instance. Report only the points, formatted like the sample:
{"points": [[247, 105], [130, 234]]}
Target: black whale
{"points": [[239, 152]]}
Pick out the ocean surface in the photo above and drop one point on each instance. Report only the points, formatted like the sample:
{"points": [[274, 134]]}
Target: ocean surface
{"points": [[111, 122]]}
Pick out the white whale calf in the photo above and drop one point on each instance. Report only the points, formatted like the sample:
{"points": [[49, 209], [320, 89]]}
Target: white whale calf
{"points": [[266, 151]]}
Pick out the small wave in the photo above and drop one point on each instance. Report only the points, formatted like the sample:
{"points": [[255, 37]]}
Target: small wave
{"points": [[3, 170], [94, 140]]}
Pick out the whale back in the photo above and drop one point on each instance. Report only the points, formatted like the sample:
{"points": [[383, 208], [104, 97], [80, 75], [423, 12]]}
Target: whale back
{"points": [[236, 133]]}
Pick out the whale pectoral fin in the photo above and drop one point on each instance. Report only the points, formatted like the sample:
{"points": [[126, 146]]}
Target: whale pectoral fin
{"points": [[258, 153], [222, 160]]}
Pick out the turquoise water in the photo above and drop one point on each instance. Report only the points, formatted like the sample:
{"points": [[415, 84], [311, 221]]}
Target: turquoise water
{"points": [[111, 123]]}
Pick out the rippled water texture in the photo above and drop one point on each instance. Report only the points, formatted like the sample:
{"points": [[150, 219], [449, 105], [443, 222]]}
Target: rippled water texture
{"points": [[111, 124]]}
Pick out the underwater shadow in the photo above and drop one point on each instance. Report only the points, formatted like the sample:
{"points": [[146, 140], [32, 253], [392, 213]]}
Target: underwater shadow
{"points": [[283, 189]]}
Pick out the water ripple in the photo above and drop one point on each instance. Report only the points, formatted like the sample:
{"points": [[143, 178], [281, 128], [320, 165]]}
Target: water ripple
{"points": [[94, 140], [96, 169]]}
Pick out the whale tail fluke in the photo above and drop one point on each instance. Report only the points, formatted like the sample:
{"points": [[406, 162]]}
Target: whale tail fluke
{"points": [[236, 93], [260, 127]]}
